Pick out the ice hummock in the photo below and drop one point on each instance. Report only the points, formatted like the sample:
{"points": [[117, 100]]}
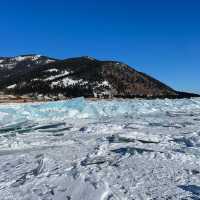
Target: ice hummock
{"points": [[106, 149], [81, 108]]}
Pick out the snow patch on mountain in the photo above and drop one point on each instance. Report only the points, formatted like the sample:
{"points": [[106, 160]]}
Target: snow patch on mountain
{"points": [[52, 70], [23, 58], [62, 74], [49, 61], [104, 83], [8, 65], [67, 82], [11, 86]]}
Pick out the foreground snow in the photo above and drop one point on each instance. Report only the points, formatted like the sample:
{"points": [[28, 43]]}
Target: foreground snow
{"points": [[106, 150]]}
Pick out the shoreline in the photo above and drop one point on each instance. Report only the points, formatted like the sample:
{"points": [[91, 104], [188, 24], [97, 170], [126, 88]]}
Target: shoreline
{"points": [[21, 99]]}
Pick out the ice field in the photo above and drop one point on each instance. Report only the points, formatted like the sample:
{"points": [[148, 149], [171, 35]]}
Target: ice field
{"points": [[100, 150]]}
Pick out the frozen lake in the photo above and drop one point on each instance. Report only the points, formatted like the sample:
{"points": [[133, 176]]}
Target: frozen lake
{"points": [[100, 150]]}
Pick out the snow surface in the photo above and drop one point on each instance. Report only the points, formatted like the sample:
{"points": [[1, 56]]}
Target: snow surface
{"points": [[13, 61], [63, 73], [104, 83], [11, 86], [68, 81], [22, 58], [100, 150], [9, 66], [52, 70], [49, 61]]}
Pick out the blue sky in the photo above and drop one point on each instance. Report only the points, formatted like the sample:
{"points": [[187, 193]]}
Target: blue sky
{"points": [[158, 37]]}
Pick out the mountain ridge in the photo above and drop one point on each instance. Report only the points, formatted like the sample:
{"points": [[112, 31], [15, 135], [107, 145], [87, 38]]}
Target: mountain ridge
{"points": [[42, 76]]}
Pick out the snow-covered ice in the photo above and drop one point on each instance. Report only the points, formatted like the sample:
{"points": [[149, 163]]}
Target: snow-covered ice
{"points": [[100, 150]]}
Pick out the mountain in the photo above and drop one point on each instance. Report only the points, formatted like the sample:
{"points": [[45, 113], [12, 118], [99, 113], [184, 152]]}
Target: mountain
{"points": [[41, 77]]}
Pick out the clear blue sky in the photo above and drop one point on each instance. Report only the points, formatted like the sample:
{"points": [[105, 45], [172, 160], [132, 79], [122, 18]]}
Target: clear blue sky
{"points": [[159, 37]]}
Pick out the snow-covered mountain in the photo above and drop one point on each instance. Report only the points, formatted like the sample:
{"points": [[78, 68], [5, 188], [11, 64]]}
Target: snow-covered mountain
{"points": [[23, 60], [37, 75]]}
